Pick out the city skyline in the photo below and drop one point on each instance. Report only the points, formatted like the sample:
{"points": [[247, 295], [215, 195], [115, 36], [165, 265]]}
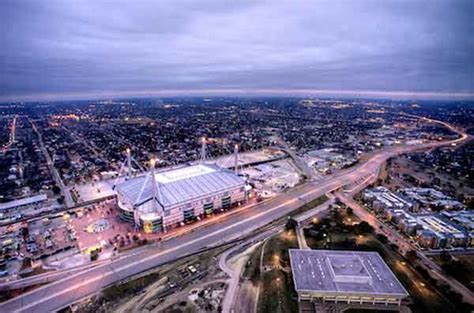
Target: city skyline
{"points": [[237, 156]]}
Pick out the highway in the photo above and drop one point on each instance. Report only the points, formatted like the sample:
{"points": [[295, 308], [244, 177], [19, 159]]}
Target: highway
{"points": [[63, 292], [393, 235]]}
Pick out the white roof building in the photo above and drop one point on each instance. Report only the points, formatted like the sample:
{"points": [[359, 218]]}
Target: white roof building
{"points": [[344, 276], [180, 186], [22, 202]]}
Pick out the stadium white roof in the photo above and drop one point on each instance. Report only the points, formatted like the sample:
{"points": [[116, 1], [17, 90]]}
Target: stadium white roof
{"points": [[344, 272], [181, 185]]}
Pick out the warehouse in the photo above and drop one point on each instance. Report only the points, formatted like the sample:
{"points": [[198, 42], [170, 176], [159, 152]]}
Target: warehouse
{"points": [[344, 277], [178, 195]]}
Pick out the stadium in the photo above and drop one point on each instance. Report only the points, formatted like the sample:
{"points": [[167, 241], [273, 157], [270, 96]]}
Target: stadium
{"points": [[159, 201]]}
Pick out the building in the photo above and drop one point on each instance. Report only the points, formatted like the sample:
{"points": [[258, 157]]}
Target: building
{"points": [[344, 277], [383, 199], [159, 201], [15, 205], [430, 230], [435, 232], [462, 218], [409, 226], [429, 197]]}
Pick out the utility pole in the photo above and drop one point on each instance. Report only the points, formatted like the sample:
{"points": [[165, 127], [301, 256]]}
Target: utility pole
{"points": [[236, 157], [129, 163], [203, 149], [153, 184]]}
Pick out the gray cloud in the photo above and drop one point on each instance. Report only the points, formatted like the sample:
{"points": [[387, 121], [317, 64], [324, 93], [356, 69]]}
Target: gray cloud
{"points": [[60, 48]]}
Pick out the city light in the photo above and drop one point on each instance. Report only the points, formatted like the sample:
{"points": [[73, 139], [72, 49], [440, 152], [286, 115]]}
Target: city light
{"points": [[322, 176]]}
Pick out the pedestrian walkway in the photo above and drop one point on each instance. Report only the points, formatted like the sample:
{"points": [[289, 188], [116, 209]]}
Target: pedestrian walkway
{"points": [[301, 239]]}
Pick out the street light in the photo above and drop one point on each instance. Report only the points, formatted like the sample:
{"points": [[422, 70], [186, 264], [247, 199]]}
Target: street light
{"points": [[277, 261]]}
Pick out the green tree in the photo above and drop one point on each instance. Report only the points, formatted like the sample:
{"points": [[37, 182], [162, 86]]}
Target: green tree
{"points": [[445, 256], [56, 190], [363, 228], [349, 211], [291, 224], [411, 256]]}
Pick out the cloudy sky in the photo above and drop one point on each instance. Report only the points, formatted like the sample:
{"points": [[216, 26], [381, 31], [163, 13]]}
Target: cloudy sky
{"points": [[60, 49]]}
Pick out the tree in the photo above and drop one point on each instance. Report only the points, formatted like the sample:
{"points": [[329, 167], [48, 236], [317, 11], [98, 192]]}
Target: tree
{"points": [[349, 211], [411, 256], [94, 254], [382, 238], [445, 256], [291, 224], [393, 247], [470, 205], [363, 228], [56, 190], [61, 200]]}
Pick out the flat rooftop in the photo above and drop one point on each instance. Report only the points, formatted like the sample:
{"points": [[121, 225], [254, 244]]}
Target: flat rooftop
{"points": [[23, 201], [343, 272]]}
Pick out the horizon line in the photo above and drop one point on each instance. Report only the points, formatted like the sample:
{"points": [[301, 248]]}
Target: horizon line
{"points": [[243, 92]]}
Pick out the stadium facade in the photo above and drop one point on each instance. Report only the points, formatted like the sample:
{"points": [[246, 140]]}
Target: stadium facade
{"points": [[159, 201]]}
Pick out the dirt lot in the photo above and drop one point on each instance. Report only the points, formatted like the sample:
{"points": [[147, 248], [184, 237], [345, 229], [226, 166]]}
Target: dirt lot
{"points": [[192, 284]]}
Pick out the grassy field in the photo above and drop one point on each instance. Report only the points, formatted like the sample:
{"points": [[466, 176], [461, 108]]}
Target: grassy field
{"points": [[252, 269], [277, 293], [463, 269], [310, 205]]}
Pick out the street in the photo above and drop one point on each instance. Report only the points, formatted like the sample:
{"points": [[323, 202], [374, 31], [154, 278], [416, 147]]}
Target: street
{"points": [[77, 286]]}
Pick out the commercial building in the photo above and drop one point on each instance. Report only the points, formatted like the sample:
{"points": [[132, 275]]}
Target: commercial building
{"points": [[344, 277], [435, 232], [22, 203], [430, 230], [159, 201], [462, 218], [383, 199], [430, 197]]}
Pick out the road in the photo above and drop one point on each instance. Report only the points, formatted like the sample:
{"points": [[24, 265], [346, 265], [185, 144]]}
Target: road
{"points": [[404, 245], [393, 235], [305, 217], [228, 304], [68, 202], [63, 292], [11, 140]]}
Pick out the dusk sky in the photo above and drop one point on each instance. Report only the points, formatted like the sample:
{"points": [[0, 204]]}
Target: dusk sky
{"points": [[64, 49]]}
